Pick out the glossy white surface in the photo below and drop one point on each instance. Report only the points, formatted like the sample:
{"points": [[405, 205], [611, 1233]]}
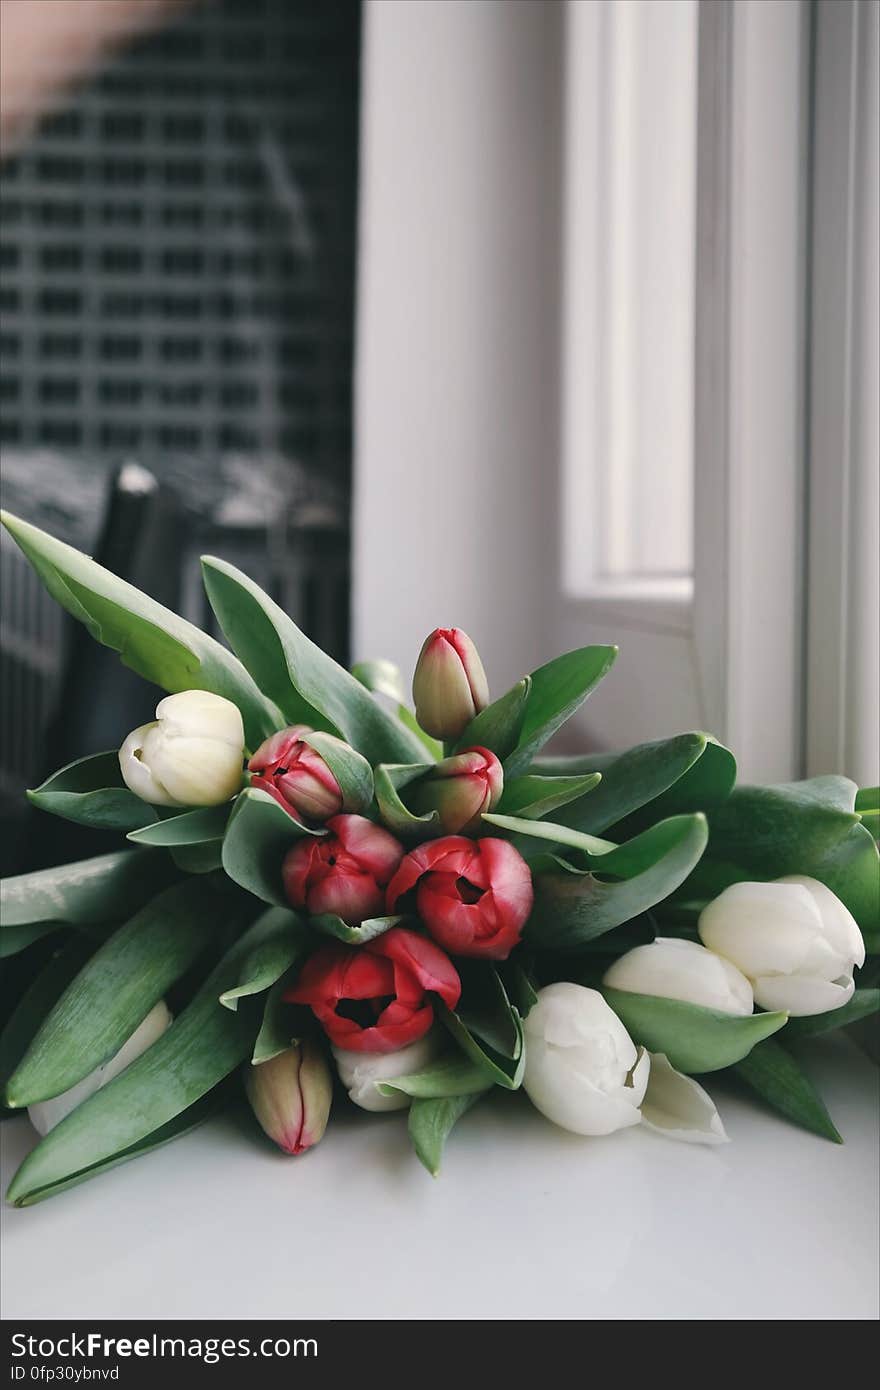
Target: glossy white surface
{"points": [[524, 1222]]}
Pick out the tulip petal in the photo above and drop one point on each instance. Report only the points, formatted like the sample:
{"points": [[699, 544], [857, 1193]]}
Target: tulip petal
{"points": [[136, 772], [669, 968], [764, 928], [678, 1108], [430, 966], [841, 928], [374, 848], [801, 995]]}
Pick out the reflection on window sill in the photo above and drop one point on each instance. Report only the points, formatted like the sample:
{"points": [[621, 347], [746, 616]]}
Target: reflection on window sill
{"points": [[651, 604]]}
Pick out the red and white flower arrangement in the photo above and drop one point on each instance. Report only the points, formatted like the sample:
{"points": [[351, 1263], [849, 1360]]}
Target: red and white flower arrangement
{"points": [[324, 891]]}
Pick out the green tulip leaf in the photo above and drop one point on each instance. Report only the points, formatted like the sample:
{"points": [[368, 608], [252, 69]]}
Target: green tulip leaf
{"points": [[520, 989], [651, 780], [807, 828], [93, 890], [284, 942], [390, 780], [328, 924], [307, 685], [486, 1026], [38, 999], [867, 799], [572, 906], [199, 827], [119, 985], [430, 1124], [16, 939], [277, 1031], [533, 796], [862, 1004], [91, 792], [452, 1076], [694, 1039], [557, 690], [259, 834], [551, 831], [381, 677], [150, 639], [352, 772], [499, 725], [202, 1046], [777, 1078]]}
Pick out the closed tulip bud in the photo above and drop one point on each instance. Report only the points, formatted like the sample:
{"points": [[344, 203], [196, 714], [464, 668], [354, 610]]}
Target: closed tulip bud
{"points": [[191, 755], [672, 969], [583, 1070], [48, 1113], [460, 789], [343, 872], [793, 938], [449, 685], [291, 1094], [359, 1071], [296, 775]]}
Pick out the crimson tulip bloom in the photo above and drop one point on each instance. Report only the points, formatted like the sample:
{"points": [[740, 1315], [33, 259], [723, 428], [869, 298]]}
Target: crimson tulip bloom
{"points": [[449, 684], [460, 789], [474, 896], [344, 872], [375, 997], [296, 775]]}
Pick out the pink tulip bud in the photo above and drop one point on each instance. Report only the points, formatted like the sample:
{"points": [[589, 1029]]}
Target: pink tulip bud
{"points": [[460, 789], [290, 1096], [449, 685], [296, 775], [344, 872]]}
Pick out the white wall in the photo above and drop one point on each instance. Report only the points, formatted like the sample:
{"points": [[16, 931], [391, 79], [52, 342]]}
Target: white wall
{"points": [[456, 398]]}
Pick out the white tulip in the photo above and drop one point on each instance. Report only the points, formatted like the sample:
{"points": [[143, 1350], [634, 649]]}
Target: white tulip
{"points": [[48, 1113], [583, 1071], [360, 1072], [672, 969], [192, 755], [793, 938], [677, 1107]]}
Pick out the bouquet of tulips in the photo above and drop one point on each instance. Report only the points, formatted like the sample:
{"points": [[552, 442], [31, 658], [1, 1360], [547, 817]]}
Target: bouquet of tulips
{"points": [[325, 892]]}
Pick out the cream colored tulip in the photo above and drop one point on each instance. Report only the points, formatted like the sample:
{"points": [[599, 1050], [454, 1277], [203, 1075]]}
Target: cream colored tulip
{"points": [[793, 938], [669, 968], [191, 755]]}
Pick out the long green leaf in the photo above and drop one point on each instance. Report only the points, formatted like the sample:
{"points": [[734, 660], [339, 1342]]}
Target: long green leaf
{"points": [[203, 1045], [390, 780], [119, 985], [150, 639], [91, 792], [572, 907], [15, 939], [693, 1038], [91, 890], [286, 941], [499, 725], [277, 1028], [199, 827], [532, 797], [630, 779], [430, 1124], [486, 1026], [33, 1006], [777, 1078], [557, 690], [308, 686], [452, 1076], [381, 677], [259, 834]]}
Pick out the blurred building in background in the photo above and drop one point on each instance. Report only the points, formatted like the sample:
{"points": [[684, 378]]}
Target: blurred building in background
{"points": [[176, 320]]}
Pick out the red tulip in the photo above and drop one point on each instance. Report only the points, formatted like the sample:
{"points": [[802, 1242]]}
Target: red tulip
{"points": [[344, 872], [460, 789], [474, 896], [296, 775], [374, 998], [449, 685]]}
